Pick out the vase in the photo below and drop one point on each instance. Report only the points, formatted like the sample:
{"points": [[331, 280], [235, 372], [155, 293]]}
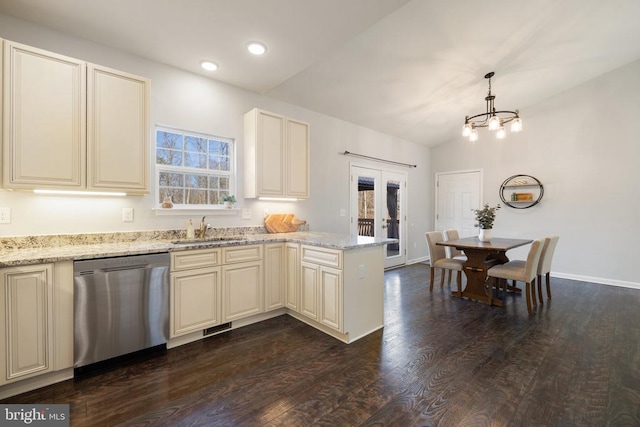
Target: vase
{"points": [[485, 235], [167, 203], [228, 205]]}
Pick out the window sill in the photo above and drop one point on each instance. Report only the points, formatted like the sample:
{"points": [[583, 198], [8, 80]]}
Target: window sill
{"points": [[221, 211]]}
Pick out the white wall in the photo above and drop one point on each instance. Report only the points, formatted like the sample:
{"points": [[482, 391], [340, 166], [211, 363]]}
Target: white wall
{"points": [[584, 146], [192, 102]]}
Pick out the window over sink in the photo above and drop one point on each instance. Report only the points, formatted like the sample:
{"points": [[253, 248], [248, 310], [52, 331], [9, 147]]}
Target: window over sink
{"points": [[194, 169]]}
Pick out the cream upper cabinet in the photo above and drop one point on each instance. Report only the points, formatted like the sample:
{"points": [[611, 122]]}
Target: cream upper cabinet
{"points": [[71, 125], [44, 109], [276, 153], [117, 130]]}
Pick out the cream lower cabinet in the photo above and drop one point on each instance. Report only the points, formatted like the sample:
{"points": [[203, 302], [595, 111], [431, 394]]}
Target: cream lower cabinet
{"points": [[292, 275], [195, 291], [321, 287], [242, 282], [36, 325], [274, 276]]}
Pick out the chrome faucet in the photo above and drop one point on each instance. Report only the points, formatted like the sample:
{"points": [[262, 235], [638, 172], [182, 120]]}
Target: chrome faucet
{"points": [[202, 230]]}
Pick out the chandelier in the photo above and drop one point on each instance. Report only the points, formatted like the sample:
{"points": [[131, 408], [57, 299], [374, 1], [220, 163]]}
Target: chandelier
{"points": [[492, 119]]}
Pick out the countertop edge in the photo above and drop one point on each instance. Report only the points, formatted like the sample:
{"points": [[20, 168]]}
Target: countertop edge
{"points": [[41, 255]]}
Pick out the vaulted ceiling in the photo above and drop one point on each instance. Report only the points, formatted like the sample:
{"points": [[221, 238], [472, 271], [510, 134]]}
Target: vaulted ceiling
{"points": [[408, 68]]}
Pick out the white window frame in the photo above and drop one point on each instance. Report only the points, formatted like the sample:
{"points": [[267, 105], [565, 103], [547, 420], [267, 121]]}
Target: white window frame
{"points": [[186, 208]]}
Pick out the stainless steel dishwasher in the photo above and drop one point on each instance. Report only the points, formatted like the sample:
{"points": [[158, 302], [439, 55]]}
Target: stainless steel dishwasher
{"points": [[121, 305]]}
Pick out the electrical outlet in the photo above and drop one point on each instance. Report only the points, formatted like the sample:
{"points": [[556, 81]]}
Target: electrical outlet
{"points": [[127, 214], [5, 215], [343, 212], [361, 271], [246, 213]]}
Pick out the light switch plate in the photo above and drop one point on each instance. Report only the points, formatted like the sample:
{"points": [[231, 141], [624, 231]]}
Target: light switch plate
{"points": [[5, 215], [127, 214]]}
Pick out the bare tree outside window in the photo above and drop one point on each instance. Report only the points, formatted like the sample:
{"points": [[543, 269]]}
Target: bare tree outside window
{"points": [[193, 169]]}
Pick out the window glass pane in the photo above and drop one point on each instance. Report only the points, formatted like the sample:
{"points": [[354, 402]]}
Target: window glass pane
{"points": [[195, 160], [168, 157], [171, 179], [224, 183], [168, 140], [198, 145], [196, 197], [214, 197], [176, 194]]}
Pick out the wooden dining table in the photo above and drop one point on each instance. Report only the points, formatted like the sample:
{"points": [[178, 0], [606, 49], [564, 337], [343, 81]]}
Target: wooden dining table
{"points": [[481, 256]]}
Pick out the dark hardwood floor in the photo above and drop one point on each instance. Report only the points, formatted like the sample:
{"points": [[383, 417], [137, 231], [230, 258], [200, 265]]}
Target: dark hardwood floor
{"points": [[439, 361]]}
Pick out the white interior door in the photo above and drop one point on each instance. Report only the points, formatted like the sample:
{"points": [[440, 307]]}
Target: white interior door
{"points": [[457, 194], [378, 208]]}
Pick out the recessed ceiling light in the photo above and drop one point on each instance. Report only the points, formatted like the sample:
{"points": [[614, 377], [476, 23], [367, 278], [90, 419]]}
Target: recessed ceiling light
{"points": [[208, 65], [257, 48]]}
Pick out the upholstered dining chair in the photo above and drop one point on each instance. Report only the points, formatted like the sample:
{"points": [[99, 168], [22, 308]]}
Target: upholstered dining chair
{"points": [[544, 266], [452, 252], [521, 271], [449, 250], [438, 259]]}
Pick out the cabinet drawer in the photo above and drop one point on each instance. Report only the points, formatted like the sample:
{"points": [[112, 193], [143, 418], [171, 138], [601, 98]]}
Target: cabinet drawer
{"points": [[198, 258], [322, 256], [241, 254]]}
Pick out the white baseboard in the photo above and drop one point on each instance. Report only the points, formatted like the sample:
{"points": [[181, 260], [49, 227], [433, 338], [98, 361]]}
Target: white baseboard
{"points": [[599, 280], [417, 260]]}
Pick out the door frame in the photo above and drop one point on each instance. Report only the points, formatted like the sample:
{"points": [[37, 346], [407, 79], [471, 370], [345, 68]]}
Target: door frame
{"points": [[437, 191], [381, 211]]}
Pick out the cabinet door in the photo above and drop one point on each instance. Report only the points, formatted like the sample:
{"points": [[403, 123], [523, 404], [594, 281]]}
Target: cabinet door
{"points": [[242, 290], [297, 159], [331, 298], [270, 154], [118, 130], [44, 119], [309, 290], [195, 300], [274, 275], [292, 267], [26, 324]]}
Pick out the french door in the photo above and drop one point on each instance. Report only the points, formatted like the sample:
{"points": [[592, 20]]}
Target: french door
{"points": [[378, 204]]}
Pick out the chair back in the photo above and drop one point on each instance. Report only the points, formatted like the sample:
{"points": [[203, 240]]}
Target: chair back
{"points": [[531, 266], [544, 266], [449, 250], [435, 252]]}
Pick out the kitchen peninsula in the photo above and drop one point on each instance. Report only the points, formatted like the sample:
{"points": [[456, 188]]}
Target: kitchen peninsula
{"points": [[332, 282]]}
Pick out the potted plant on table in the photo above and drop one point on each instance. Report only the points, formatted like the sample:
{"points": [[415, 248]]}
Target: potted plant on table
{"points": [[228, 200], [485, 217]]}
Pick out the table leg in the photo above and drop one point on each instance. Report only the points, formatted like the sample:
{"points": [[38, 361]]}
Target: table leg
{"points": [[478, 262]]}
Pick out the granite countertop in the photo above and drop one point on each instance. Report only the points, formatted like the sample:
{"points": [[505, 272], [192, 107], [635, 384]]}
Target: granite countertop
{"points": [[81, 247]]}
